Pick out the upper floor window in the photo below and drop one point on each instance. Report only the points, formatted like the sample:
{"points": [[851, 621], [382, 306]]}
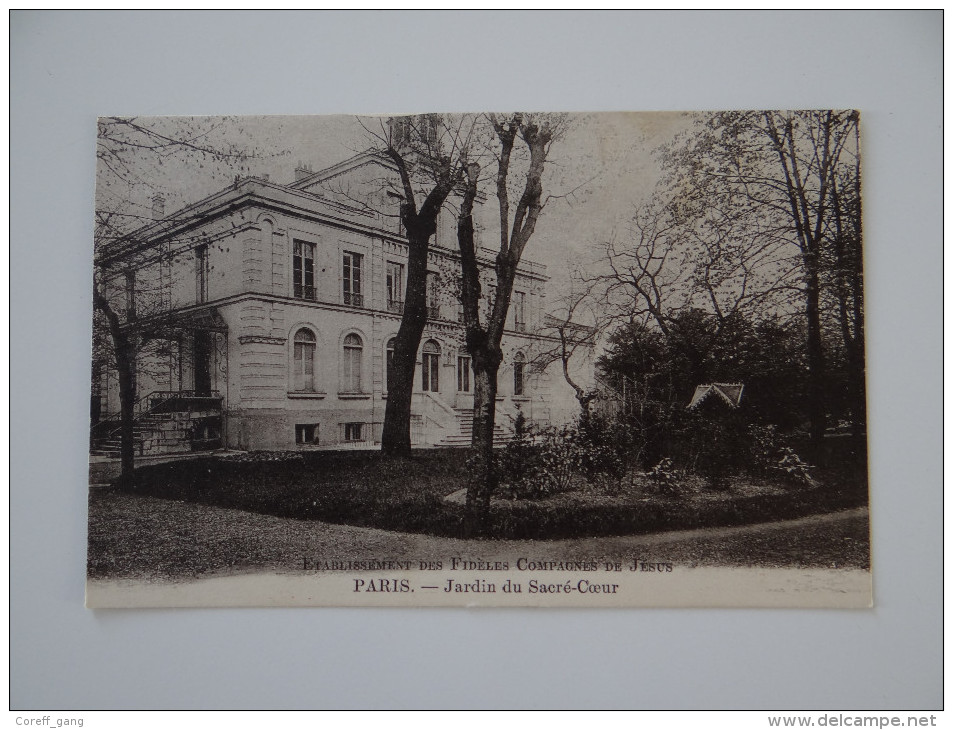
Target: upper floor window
{"points": [[303, 270], [489, 295], [519, 310], [519, 367], [304, 347], [353, 265], [433, 295], [431, 367], [429, 126], [353, 356], [201, 274], [395, 287]]}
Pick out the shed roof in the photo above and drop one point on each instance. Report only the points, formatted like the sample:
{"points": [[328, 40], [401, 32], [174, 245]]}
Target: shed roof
{"points": [[730, 393]]}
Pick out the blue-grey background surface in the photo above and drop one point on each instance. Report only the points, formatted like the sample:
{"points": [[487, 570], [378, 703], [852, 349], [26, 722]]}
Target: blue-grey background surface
{"points": [[66, 68]]}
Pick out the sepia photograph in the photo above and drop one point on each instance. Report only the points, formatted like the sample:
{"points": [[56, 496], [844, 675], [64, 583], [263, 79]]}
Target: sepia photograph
{"points": [[495, 359]]}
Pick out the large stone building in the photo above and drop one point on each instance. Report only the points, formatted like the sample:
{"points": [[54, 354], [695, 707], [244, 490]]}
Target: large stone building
{"points": [[271, 310]]}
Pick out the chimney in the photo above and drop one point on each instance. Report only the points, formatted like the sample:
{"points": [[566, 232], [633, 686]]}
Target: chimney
{"points": [[302, 171], [158, 206]]}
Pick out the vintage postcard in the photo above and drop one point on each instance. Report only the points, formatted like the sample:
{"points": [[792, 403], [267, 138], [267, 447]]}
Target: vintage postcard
{"points": [[497, 359]]}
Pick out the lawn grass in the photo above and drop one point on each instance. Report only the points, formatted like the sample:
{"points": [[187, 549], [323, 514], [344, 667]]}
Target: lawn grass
{"points": [[363, 488], [144, 538], [369, 489]]}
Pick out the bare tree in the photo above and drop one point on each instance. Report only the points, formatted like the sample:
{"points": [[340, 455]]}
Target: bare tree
{"points": [[683, 254], [483, 339], [133, 312], [574, 327], [809, 146], [430, 153], [757, 213], [842, 262]]}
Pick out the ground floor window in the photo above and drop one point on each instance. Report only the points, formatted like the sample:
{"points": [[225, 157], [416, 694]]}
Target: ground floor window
{"points": [[353, 353], [463, 373], [307, 434], [519, 363], [305, 344], [389, 375], [430, 371], [353, 431]]}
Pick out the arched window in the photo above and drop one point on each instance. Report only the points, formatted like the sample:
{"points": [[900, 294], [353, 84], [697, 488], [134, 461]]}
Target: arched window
{"points": [[431, 366], [353, 354], [389, 362], [303, 377], [519, 365]]}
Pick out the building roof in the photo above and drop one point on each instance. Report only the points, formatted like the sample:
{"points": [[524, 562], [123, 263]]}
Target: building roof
{"points": [[730, 393], [297, 197]]}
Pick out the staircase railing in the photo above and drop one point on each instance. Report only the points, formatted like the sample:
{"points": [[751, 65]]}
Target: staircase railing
{"points": [[439, 404], [419, 424], [146, 405]]}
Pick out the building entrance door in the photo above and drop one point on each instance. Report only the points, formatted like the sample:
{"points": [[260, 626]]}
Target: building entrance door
{"points": [[202, 364]]}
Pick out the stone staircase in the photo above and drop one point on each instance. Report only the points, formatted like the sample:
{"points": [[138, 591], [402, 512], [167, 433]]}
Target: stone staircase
{"points": [[154, 433], [463, 435], [164, 426]]}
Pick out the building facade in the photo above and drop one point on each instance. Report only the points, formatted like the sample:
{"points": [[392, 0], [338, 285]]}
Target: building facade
{"points": [[271, 311]]}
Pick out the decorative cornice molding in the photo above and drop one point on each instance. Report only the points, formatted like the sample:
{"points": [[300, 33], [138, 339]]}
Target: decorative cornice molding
{"points": [[261, 339]]}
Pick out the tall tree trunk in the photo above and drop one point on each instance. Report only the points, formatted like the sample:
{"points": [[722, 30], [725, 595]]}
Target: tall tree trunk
{"points": [[483, 342], [483, 478], [125, 367], [420, 225], [395, 438], [816, 396], [125, 356], [850, 296], [809, 223]]}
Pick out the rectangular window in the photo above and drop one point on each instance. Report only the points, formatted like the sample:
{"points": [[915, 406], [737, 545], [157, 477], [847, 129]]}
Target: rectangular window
{"points": [[353, 294], [201, 274], [353, 431], [463, 373], [433, 295], [303, 270], [306, 434], [490, 297], [395, 287], [519, 310]]}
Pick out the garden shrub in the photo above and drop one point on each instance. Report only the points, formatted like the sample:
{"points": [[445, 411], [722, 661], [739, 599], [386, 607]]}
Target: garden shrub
{"points": [[607, 446], [540, 463], [561, 456], [518, 461], [371, 490], [666, 478], [792, 470], [763, 444]]}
